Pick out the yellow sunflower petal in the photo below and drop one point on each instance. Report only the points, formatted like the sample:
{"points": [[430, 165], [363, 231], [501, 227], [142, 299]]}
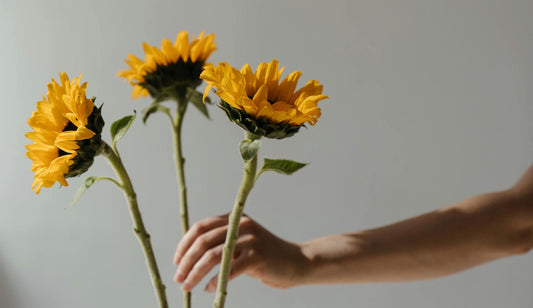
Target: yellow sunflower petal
{"points": [[66, 141], [169, 69], [169, 50], [249, 106], [41, 136], [209, 46], [206, 91], [287, 86], [83, 133], [261, 72], [261, 94], [272, 77], [229, 98], [251, 80], [182, 44], [42, 157], [58, 124]]}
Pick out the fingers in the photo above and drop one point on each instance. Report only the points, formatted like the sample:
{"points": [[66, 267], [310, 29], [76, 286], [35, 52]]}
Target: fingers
{"points": [[210, 259], [238, 267], [201, 248], [196, 230], [207, 241]]}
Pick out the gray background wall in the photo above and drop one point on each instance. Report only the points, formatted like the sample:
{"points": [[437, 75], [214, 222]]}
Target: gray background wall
{"points": [[431, 102]]}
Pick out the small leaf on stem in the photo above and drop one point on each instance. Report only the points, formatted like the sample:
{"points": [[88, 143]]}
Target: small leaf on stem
{"points": [[155, 107], [249, 149], [195, 98], [283, 166], [120, 127], [89, 181]]}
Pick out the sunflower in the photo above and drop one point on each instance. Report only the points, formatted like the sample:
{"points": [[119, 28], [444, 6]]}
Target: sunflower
{"points": [[168, 72], [66, 133], [260, 103]]}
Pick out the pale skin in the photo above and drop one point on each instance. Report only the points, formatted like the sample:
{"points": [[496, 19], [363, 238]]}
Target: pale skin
{"points": [[477, 230]]}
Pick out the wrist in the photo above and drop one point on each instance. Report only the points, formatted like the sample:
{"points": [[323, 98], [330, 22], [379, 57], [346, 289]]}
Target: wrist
{"points": [[329, 259], [305, 265]]}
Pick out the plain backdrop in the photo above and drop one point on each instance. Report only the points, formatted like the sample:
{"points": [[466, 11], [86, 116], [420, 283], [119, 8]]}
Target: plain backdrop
{"points": [[430, 102]]}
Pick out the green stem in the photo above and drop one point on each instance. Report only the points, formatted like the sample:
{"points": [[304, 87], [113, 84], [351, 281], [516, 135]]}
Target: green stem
{"points": [[248, 180], [179, 162], [140, 231]]}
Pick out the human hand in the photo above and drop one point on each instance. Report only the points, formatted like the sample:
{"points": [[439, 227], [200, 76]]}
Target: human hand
{"points": [[258, 253]]}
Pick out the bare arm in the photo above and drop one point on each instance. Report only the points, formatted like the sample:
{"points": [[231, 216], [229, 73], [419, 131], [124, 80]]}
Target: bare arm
{"points": [[452, 239]]}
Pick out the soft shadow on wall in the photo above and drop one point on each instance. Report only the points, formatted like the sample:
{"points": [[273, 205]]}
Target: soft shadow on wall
{"points": [[8, 294]]}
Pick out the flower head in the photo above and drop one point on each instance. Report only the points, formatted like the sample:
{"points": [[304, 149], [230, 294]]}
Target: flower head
{"points": [[261, 104], [66, 133], [168, 71]]}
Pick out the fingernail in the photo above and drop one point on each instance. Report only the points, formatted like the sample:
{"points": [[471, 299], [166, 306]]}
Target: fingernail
{"points": [[185, 287]]}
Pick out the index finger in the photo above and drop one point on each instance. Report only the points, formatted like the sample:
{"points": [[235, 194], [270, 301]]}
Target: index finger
{"points": [[196, 230]]}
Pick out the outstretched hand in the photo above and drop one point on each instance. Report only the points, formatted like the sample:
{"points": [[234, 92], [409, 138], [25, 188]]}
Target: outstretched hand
{"points": [[485, 227], [258, 253]]}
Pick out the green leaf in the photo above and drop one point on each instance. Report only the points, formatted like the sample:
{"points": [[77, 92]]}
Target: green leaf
{"points": [[196, 98], [89, 181], [283, 166], [155, 107], [120, 127], [249, 149]]}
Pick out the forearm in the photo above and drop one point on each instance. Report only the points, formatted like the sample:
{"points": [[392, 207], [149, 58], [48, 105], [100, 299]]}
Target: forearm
{"points": [[472, 232]]}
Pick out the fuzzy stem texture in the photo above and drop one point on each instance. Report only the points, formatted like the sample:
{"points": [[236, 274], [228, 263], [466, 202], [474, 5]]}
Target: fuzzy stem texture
{"points": [[248, 180], [182, 188], [140, 231]]}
